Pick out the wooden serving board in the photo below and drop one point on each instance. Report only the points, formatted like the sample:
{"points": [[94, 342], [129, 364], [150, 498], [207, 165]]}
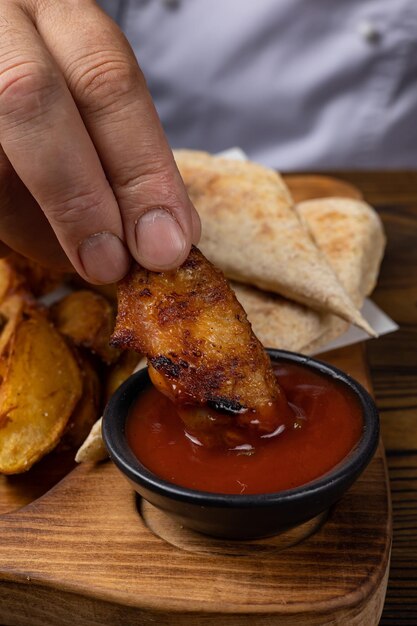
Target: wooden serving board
{"points": [[82, 553], [78, 548]]}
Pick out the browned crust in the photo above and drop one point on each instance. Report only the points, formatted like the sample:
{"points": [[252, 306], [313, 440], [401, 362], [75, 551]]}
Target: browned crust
{"points": [[194, 332], [87, 319]]}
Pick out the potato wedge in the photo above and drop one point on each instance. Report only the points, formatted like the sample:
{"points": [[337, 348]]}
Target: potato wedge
{"points": [[87, 319], [10, 280], [37, 279], [93, 449], [120, 371], [41, 387], [107, 291], [87, 411], [11, 314], [19, 273]]}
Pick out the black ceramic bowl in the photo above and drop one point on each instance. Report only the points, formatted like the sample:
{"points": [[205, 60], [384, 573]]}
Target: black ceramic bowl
{"points": [[241, 516]]}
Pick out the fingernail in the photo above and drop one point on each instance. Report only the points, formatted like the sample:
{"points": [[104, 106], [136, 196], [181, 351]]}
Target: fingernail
{"points": [[104, 258], [160, 240]]}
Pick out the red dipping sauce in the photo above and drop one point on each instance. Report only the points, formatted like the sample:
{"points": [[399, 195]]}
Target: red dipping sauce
{"points": [[326, 425]]}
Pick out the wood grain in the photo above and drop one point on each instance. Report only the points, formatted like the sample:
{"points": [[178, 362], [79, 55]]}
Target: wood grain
{"points": [[18, 490], [393, 363], [83, 549], [307, 187], [393, 366], [395, 188], [160, 524]]}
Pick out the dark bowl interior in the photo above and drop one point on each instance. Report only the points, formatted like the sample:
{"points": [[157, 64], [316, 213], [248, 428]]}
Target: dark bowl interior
{"points": [[241, 516]]}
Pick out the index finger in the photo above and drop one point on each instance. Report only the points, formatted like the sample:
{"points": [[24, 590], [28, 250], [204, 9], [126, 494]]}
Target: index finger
{"points": [[111, 93], [44, 138]]}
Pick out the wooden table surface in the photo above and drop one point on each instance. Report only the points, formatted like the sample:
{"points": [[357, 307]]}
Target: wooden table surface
{"points": [[393, 364]]}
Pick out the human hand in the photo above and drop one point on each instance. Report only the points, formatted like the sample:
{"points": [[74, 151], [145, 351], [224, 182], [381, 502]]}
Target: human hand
{"points": [[84, 164]]}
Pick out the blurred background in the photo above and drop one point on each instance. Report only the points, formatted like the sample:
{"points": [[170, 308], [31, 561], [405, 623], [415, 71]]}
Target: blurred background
{"points": [[298, 84]]}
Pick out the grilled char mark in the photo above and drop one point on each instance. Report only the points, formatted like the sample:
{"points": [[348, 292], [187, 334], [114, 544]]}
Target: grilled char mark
{"points": [[125, 338], [191, 262], [145, 293], [191, 378], [196, 335], [173, 309], [226, 405], [166, 366]]}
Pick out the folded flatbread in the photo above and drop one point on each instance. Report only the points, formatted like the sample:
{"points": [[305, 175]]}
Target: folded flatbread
{"points": [[252, 232], [351, 236], [278, 322]]}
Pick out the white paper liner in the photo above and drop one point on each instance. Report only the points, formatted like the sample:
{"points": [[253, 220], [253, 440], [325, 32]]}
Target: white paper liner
{"points": [[379, 321]]}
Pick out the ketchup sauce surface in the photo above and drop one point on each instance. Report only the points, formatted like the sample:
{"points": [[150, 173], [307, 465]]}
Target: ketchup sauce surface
{"points": [[325, 426]]}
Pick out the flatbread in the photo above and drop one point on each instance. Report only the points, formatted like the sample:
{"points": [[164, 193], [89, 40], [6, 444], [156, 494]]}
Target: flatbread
{"points": [[350, 234], [252, 232], [93, 448], [278, 322]]}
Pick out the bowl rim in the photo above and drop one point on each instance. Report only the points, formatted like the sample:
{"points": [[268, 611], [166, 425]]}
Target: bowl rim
{"points": [[352, 465]]}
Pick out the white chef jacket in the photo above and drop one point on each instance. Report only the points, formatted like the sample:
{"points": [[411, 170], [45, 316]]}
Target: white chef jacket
{"points": [[298, 84]]}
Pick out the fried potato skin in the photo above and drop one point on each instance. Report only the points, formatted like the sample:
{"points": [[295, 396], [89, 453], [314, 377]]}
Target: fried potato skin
{"points": [[21, 275], [35, 278], [40, 388], [108, 291], [11, 314], [10, 280], [87, 319], [87, 410], [195, 334], [120, 371]]}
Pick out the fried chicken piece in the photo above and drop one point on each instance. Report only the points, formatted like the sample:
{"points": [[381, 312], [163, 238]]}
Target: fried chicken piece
{"points": [[201, 351]]}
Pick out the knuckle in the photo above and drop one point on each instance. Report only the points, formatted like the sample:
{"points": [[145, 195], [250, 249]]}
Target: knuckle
{"points": [[27, 89], [100, 81], [146, 187], [140, 193], [75, 209]]}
